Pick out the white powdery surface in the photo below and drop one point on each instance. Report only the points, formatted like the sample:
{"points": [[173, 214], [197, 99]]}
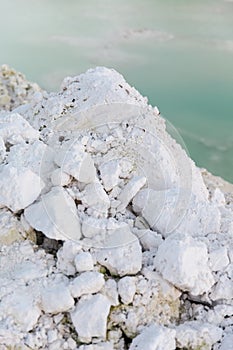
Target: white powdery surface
{"points": [[132, 249], [19, 187], [55, 215], [183, 261]]}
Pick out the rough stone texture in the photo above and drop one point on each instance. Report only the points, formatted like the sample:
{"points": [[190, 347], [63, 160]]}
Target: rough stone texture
{"points": [[15, 90], [131, 242], [183, 261], [154, 337], [19, 187], [90, 317], [55, 215]]}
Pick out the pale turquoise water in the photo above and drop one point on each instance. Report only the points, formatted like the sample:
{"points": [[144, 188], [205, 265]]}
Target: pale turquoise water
{"points": [[178, 53]]}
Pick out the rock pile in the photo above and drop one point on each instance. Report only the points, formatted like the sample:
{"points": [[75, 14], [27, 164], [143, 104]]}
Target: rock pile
{"points": [[110, 238]]}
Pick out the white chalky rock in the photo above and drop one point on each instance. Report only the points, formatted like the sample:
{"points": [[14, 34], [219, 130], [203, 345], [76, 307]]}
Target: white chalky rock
{"points": [[154, 337], [90, 317], [56, 298], [59, 178], [130, 190], [110, 172], [2, 149], [111, 291], [121, 253], [73, 160], [65, 257], [98, 346], [10, 228], [127, 289], [195, 334], [55, 215], [84, 262], [219, 259], [183, 261], [95, 198], [19, 187], [89, 282], [223, 288], [22, 307], [227, 343], [176, 210], [15, 129]]}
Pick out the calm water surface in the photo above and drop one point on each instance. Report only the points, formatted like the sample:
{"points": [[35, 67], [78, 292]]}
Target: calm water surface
{"points": [[178, 53]]}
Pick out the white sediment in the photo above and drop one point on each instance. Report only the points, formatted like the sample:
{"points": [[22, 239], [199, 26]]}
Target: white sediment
{"points": [[111, 237]]}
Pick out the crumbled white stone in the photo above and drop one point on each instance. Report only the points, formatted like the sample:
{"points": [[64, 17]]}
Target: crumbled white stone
{"points": [[219, 259], [22, 307], [130, 190], [90, 317], [15, 129], [149, 239], [121, 253], [84, 262], [127, 289], [110, 172], [111, 291], [89, 282], [11, 229], [73, 160], [60, 178], [19, 187], [176, 210], [154, 337], [223, 288], [96, 199], [183, 261], [2, 149], [55, 215], [227, 343], [56, 298], [65, 257], [98, 346], [194, 334]]}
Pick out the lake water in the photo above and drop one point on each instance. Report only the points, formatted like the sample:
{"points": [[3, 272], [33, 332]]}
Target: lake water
{"points": [[178, 53]]}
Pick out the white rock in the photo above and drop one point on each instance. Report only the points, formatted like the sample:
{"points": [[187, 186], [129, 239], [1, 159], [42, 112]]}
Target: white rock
{"points": [[66, 255], [196, 334], [2, 149], [130, 190], [154, 338], [95, 198], [227, 343], [73, 160], [15, 129], [127, 289], [55, 215], [111, 291], [223, 288], [177, 210], [89, 282], [59, 178], [22, 307], [121, 253], [218, 259], [19, 187], [110, 172], [183, 261], [92, 226], [84, 262], [90, 317], [98, 346], [56, 298]]}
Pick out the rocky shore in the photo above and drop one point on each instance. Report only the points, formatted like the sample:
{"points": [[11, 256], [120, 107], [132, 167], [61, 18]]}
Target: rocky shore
{"points": [[110, 236]]}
